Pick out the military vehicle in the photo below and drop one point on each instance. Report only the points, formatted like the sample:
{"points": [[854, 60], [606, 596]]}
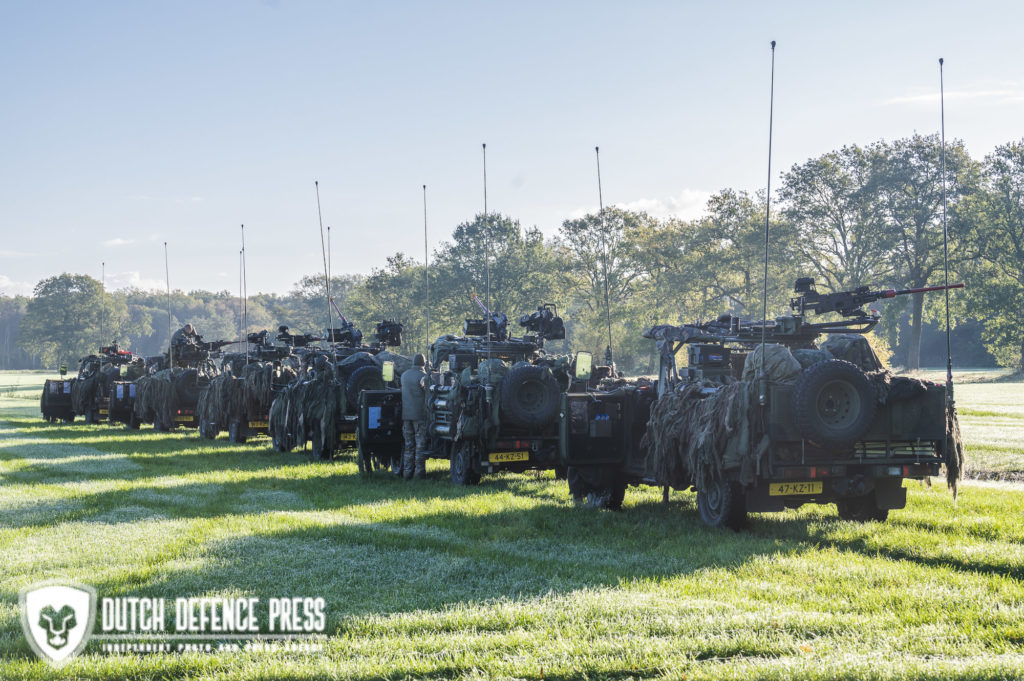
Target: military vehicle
{"points": [[167, 396], [492, 400], [758, 426], [238, 399], [319, 405], [87, 394]]}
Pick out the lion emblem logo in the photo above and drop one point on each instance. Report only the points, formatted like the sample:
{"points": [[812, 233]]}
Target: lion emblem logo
{"points": [[58, 619]]}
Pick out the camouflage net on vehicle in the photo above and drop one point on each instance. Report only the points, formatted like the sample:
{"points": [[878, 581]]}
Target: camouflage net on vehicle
{"points": [[154, 397], [259, 380], [953, 451], [222, 401], [84, 392], [693, 437], [302, 405]]}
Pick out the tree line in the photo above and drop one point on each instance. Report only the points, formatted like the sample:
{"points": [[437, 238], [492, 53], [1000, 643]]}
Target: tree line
{"points": [[861, 215]]}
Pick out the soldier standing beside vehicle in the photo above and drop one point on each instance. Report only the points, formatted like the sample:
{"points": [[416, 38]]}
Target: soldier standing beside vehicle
{"points": [[414, 424]]}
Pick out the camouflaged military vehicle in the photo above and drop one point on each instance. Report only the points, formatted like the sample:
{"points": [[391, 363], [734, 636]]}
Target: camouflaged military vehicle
{"points": [[762, 427], [492, 400], [319, 406], [88, 394], [168, 394]]}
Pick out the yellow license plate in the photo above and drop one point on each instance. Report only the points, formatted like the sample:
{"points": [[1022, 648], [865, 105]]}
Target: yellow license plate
{"points": [[182, 419], [258, 424], [103, 412], [347, 437], [785, 489], [502, 457]]}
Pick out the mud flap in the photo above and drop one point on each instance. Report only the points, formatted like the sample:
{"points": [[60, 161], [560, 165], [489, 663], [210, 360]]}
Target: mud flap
{"points": [[890, 493]]}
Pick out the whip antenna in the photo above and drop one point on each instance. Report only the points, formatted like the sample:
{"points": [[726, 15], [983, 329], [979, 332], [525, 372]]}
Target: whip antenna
{"points": [[945, 240], [604, 262], [488, 389], [426, 267], [245, 300], [240, 296], [103, 296], [167, 275], [327, 276], [762, 397]]}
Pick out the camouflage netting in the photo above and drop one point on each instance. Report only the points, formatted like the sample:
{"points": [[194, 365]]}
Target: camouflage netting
{"points": [[83, 393], [154, 397], [693, 438], [305, 403], [222, 401], [259, 380]]}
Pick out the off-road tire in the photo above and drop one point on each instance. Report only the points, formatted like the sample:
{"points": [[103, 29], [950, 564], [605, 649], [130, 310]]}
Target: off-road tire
{"points": [[207, 430], [318, 449], [529, 397], [833, 404], [722, 503], [460, 465], [596, 487], [862, 509], [237, 432], [367, 377]]}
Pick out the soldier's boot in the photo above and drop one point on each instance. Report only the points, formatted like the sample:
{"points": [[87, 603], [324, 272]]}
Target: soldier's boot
{"points": [[409, 452], [421, 465]]}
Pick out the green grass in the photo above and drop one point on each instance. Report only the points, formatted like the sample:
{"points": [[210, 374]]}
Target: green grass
{"points": [[508, 579]]}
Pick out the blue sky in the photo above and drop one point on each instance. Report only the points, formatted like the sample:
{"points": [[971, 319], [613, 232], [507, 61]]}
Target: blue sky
{"points": [[127, 124]]}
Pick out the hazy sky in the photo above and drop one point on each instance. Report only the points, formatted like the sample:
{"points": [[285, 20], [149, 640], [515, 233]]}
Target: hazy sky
{"points": [[127, 124]]}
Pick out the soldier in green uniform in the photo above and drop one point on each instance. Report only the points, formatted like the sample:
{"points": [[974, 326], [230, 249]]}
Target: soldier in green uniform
{"points": [[186, 334], [414, 424]]}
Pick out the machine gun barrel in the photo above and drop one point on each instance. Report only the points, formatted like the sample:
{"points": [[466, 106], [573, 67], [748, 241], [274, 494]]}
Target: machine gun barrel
{"points": [[848, 303], [926, 289]]}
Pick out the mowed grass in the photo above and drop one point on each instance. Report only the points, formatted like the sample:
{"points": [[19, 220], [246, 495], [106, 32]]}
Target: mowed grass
{"points": [[505, 580]]}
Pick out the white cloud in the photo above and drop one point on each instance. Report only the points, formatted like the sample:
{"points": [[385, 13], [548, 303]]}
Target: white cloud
{"points": [[688, 204], [116, 280], [4, 253], [10, 287], [118, 241]]}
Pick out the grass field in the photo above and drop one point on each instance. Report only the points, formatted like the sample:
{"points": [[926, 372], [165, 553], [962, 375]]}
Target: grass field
{"points": [[509, 579]]}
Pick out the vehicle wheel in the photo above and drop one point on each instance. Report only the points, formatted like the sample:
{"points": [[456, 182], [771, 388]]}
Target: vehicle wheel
{"points": [[207, 430], [596, 487], [68, 419], [529, 397], [560, 472], [318, 449], [363, 378], [91, 417], [461, 464], [862, 509], [133, 421], [280, 443], [160, 426], [833, 403], [236, 432], [722, 503]]}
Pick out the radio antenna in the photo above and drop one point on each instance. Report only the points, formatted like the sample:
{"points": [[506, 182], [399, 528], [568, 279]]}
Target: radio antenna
{"points": [[762, 380], [488, 389], [604, 261], [103, 297], [167, 275], [327, 277], [426, 268], [240, 266], [945, 239], [245, 301]]}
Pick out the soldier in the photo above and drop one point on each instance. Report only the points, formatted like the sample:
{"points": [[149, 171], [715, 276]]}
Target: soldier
{"points": [[186, 334], [414, 424]]}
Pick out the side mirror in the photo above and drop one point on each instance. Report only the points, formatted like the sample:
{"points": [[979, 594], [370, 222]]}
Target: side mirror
{"points": [[584, 361], [388, 371]]}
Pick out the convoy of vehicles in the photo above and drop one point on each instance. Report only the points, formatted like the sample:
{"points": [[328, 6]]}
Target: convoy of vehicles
{"points": [[760, 418]]}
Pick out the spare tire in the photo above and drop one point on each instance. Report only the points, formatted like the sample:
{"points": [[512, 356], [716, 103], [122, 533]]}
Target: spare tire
{"points": [[363, 378], [833, 404], [186, 387], [529, 397]]}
